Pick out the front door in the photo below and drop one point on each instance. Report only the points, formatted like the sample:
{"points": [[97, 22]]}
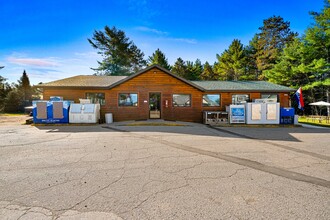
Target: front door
{"points": [[154, 105]]}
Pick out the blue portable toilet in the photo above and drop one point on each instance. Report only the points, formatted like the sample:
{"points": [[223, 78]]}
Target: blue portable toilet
{"points": [[51, 112]]}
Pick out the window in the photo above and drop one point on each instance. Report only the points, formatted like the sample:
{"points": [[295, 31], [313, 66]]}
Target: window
{"points": [[128, 99], [96, 98], [181, 100], [272, 96], [239, 99], [211, 100]]}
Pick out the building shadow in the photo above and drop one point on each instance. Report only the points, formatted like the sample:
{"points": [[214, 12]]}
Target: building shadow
{"points": [[183, 128]]}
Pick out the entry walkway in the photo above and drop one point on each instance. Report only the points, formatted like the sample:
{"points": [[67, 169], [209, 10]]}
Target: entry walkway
{"points": [[153, 122]]}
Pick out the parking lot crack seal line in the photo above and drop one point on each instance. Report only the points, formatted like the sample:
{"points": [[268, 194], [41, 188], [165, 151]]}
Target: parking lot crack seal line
{"points": [[312, 154], [242, 161], [257, 166]]}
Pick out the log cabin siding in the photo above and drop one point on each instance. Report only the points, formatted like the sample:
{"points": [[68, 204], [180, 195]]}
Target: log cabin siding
{"points": [[155, 80]]}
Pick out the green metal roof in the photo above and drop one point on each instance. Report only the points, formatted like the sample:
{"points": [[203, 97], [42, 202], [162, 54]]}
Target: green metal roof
{"points": [[242, 86]]}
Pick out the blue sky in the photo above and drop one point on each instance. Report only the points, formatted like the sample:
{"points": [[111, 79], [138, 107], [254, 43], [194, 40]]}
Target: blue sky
{"points": [[49, 38]]}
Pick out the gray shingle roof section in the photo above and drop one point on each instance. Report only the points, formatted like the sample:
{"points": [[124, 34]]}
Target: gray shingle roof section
{"points": [[242, 86], [84, 81]]}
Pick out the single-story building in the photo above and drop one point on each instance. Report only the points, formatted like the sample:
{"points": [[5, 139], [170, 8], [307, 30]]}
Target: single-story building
{"points": [[156, 93]]}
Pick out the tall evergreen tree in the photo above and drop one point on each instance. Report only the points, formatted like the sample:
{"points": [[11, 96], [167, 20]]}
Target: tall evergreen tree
{"points": [[198, 69], [251, 67], [317, 45], [190, 73], [120, 55], [208, 73], [180, 68], [231, 63], [159, 58], [25, 87], [305, 61], [274, 35], [286, 71]]}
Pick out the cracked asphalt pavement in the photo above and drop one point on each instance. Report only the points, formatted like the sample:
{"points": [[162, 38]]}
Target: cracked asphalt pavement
{"points": [[163, 172]]}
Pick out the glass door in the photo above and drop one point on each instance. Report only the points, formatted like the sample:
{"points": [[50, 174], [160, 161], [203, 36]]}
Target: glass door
{"points": [[154, 105]]}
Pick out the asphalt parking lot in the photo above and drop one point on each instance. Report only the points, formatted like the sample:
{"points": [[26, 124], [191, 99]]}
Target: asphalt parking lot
{"points": [[163, 172]]}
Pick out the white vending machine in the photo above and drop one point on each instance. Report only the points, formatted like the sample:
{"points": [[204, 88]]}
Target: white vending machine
{"points": [[263, 113], [237, 114]]}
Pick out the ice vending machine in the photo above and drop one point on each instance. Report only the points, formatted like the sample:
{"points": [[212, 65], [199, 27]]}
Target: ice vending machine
{"points": [[263, 113], [237, 114]]}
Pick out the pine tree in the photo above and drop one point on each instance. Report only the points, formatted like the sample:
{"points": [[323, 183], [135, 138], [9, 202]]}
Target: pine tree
{"points": [[251, 68], [208, 73], [231, 63], [159, 58], [197, 70], [25, 87], [275, 34], [120, 56], [306, 61], [180, 68]]}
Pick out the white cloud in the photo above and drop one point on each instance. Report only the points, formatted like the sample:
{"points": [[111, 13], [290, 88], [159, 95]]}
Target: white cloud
{"points": [[184, 40], [41, 62], [151, 30], [48, 68], [164, 35]]}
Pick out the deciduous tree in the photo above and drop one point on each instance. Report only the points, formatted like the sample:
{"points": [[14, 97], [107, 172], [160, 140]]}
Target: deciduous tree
{"points": [[13, 101]]}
